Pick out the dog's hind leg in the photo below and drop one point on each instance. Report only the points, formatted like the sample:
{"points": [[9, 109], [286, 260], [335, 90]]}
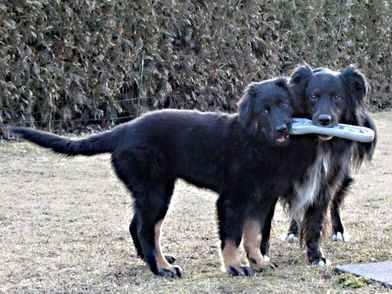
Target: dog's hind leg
{"points": [[146, 176], [133, 229], [337, 226], [151, 204]]}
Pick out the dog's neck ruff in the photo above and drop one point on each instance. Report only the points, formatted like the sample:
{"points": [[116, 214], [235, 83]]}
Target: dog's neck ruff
{"points": [[308, 188]]}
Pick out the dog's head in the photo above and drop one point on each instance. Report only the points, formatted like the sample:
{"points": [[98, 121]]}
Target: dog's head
{"points": [[329, 97], [265, 110]]}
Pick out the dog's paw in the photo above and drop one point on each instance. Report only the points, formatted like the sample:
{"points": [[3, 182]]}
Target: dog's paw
{"points": [[321, 262], [290, 238], [259, 263], [271, 264], [240, 271], [170, 258], [172, 272], [340, 237]]}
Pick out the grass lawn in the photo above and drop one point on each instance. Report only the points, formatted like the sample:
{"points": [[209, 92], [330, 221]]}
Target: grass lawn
{"points": [[64, 228]]}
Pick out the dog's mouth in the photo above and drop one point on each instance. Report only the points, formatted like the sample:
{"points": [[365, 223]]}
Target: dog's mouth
{"points": [[324, 137], [282, 139]]}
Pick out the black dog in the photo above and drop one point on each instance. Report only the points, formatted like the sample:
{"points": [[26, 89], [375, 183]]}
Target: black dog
{"points": [[328, 98], [235, 155], [362, 152]]}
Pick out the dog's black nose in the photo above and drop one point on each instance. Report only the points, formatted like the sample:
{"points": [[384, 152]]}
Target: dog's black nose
{"points": [[324, 119], [282, 128]]}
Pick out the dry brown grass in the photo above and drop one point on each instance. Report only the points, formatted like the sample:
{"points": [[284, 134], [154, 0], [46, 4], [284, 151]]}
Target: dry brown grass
{"points": [[64, 228]]}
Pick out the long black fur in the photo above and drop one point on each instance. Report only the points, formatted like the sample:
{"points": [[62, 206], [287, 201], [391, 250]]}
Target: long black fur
{"points": [[340, 96], [100, 143], [235, 155]]}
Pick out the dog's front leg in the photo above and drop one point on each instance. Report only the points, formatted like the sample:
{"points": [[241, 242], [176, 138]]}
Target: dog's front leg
{"points": [[339, 234], [266, 231], [252, 244], [292, 232], [230, 217], [311, 229]]}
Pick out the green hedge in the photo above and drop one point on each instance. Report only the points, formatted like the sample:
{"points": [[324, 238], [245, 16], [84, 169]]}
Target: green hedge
{"points": [[65, 64]]}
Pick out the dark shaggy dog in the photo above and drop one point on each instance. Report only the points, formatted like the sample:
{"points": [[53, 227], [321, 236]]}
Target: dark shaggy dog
{"points": [[236, 155], [328, 98]]}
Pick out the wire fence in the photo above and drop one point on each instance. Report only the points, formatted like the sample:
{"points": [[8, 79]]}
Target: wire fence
{"points": [[113, 101], [80, 120]]}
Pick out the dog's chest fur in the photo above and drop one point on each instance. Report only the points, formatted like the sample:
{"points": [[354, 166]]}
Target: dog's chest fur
{"points": [[307, 189]]}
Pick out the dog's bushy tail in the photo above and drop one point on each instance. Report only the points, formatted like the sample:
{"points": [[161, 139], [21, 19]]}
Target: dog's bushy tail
{"points": [[95, 144]]}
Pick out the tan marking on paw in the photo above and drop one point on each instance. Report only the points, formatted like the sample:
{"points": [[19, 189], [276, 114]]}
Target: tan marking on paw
{"points": [[252, 241], [160, 258], [231, 255]]}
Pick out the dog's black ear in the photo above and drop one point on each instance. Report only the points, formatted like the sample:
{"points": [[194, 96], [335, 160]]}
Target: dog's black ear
{"points": [[297, 84], [301, 74], [364, 151], [246, 107], [282, 82], [356, 88], [355, 82]]}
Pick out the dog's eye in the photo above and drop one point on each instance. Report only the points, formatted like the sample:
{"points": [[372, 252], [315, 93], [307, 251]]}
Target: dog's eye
{"points": [[313, 97], [337, 98], [283, 105], [266, 111]]}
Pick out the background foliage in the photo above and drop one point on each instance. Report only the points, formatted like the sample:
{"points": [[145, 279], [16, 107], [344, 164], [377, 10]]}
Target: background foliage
{"points": [[66, 64]]}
